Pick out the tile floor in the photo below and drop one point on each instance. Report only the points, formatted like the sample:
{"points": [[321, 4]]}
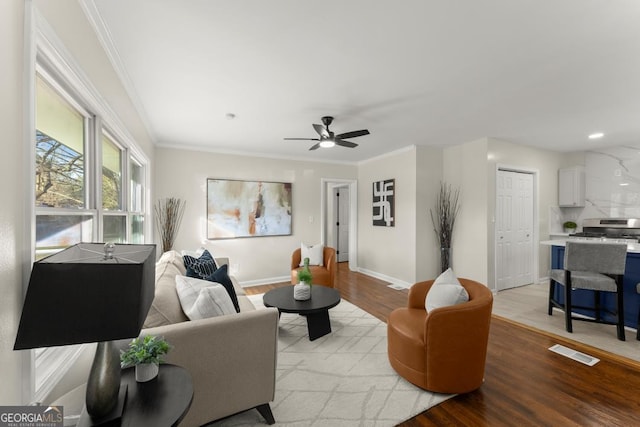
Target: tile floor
{"points": [[528, 305]]}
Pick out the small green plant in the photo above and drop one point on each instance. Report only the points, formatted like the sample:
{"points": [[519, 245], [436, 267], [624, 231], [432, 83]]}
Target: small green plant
{"points": [[149, 349], [570, 224], [304, 274]]}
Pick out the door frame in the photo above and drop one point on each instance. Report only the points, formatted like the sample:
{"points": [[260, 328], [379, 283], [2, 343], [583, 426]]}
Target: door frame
{"points": [[326, 184], [535, 240]]}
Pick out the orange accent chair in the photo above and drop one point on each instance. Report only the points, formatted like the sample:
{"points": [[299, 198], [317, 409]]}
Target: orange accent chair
{"points": [[443, 351], [322, 274]]}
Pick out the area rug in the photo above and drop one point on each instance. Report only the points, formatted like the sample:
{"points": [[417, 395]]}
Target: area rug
{"points": [[341, 379]]}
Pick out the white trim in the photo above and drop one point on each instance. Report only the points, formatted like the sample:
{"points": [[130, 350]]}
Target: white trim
{"points": [[385, 278], [29, 63], [266, 281], [389, 154], [106, 41]]}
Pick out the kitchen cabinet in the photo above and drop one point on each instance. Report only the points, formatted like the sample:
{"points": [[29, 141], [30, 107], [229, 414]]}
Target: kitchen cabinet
{"points": [[571, 187]]}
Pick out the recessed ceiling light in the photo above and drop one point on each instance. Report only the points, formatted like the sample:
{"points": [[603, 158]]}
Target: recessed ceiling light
{"points": [[596, 135]]}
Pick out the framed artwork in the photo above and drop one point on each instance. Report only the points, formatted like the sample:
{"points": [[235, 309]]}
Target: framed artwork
{"points": [[247, 208], [384, 202]]}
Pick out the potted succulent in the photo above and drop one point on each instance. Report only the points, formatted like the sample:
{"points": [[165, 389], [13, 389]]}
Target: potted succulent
{"points": [[569, 226], [146, 355], [302, 291]]}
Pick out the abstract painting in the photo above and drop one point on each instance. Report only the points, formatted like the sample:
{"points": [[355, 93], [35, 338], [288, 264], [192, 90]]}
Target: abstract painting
{"points": [[248, 208], [383, 203]]}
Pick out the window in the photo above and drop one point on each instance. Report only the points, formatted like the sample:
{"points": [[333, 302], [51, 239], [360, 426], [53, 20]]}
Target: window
{"points": [[89, 186]]}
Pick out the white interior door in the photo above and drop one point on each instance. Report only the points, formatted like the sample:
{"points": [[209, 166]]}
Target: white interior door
{"points": [[341, 204], [514, 229]]}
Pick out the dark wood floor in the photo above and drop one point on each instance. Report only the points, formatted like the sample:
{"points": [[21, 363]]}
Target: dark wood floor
{"points": [[525, 383]]}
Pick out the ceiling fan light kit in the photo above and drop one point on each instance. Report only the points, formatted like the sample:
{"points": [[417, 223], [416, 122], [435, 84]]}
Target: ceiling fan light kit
{"points": [[328, 139]]}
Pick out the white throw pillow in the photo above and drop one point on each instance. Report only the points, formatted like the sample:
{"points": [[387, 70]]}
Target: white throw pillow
{"points": [[201, 298], [313, 252], [446, 290]]}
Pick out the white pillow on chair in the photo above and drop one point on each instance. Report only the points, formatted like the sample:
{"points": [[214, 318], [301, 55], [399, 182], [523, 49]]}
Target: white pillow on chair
{"points": [[313, 252], [446, 290]]}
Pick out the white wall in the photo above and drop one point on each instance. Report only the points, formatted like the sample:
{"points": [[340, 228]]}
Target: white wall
{"points": [[428, 178], [388, 250], [184, 173], [12, 256], [465, 168]]}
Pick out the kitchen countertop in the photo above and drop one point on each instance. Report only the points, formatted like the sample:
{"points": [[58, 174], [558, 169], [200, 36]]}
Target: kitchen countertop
{"points": [[631, 247]]}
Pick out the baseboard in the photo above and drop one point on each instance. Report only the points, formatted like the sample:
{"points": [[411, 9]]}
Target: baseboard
{"points": [[266, 281], [385, 278]]}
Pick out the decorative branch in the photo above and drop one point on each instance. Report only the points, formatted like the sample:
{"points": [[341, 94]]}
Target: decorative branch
{"points": [[444, 218], [168, 218]]}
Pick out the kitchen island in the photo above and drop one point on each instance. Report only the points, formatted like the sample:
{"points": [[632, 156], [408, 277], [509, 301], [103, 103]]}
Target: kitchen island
{"points": [[608, 299]]}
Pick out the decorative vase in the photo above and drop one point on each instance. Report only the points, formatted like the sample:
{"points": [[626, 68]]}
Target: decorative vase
{"points": [[302, 291], [146, 372], [445, 258]]}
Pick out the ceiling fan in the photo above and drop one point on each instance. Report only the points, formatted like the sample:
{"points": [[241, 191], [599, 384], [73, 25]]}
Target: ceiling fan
{"points": [[329, 139]]}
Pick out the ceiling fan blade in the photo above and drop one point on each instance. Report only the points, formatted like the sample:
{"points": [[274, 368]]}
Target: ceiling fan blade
{"points": [[353, 134], [302, 139], [346, 143], [322, 131], [314, 147]]}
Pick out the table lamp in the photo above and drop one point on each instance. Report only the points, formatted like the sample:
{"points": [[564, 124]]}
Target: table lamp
{"points": [[90, 292]]}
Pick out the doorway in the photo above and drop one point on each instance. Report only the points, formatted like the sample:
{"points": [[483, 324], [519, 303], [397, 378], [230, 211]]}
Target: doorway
{"points": [[340, 223], [329, 217], [514, 228]]}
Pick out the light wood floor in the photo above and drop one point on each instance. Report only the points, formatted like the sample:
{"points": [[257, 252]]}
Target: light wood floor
{"points": [[525, 383]]}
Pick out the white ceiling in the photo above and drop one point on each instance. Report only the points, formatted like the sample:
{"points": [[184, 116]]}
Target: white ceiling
{"points": [[544, 73]]}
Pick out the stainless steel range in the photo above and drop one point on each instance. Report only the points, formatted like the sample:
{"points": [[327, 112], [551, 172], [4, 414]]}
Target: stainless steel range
{"points": [[623, 230]]}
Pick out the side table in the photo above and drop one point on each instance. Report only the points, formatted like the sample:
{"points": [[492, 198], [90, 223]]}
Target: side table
{"points": [[161, 402]]}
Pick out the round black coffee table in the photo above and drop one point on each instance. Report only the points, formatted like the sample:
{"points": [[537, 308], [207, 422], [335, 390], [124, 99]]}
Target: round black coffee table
{"points": [[316, 309]]}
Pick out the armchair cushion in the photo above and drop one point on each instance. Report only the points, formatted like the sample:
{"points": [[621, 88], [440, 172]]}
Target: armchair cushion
{"points": [[313, 252], [201, 299], [446, 290]]}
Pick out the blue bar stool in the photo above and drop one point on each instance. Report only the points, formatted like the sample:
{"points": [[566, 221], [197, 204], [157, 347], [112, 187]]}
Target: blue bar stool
{"points": [[595, 266]]}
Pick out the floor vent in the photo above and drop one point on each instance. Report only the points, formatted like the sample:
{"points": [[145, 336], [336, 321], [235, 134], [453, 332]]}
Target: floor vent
{"points": [[575, 355], [396, 287]]}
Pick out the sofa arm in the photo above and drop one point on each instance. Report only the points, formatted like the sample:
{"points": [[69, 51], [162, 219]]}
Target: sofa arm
{"points": [[231, 359]]}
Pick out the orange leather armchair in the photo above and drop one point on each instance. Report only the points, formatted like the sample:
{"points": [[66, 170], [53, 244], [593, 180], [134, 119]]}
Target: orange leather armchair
{"points": [[322, 274], [445, 350]]}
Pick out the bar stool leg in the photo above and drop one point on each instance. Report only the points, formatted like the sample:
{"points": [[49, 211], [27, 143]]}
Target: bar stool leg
{"points": [[552, 289], [567, 306], [621, 335]]}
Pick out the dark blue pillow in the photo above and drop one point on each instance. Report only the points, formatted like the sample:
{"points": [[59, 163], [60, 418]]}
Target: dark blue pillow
{"points": [[221, 276], [200, 268]]}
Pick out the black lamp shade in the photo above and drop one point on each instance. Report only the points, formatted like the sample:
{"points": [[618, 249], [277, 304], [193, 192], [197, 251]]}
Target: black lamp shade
{"points": [[79, 295]]}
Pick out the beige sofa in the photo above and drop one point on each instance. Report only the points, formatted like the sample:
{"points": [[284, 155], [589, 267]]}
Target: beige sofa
{"points": [[232, 359]]}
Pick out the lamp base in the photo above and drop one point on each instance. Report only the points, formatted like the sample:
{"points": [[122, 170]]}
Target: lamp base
{"points": [[112, 419]]}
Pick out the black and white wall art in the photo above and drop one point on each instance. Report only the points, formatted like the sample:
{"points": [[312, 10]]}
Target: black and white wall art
{"points": [[384, 194]]}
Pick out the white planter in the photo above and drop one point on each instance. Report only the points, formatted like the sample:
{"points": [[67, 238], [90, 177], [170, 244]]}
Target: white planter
{"points": [[146, 372], [302, 291]]}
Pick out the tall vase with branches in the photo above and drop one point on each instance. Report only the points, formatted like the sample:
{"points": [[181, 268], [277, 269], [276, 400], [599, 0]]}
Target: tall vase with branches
{"points": [[169, 213], [443, 219]]}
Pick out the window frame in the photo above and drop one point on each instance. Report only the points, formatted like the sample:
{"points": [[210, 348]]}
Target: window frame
{"points": [[47, 56]]}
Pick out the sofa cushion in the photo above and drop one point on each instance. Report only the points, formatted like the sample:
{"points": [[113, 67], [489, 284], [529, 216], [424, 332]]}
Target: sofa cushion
{"points": [[165, 308], [175, 259], [446, 290], [221, 276], [313, 252], [201, 267], [201, 299]]}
